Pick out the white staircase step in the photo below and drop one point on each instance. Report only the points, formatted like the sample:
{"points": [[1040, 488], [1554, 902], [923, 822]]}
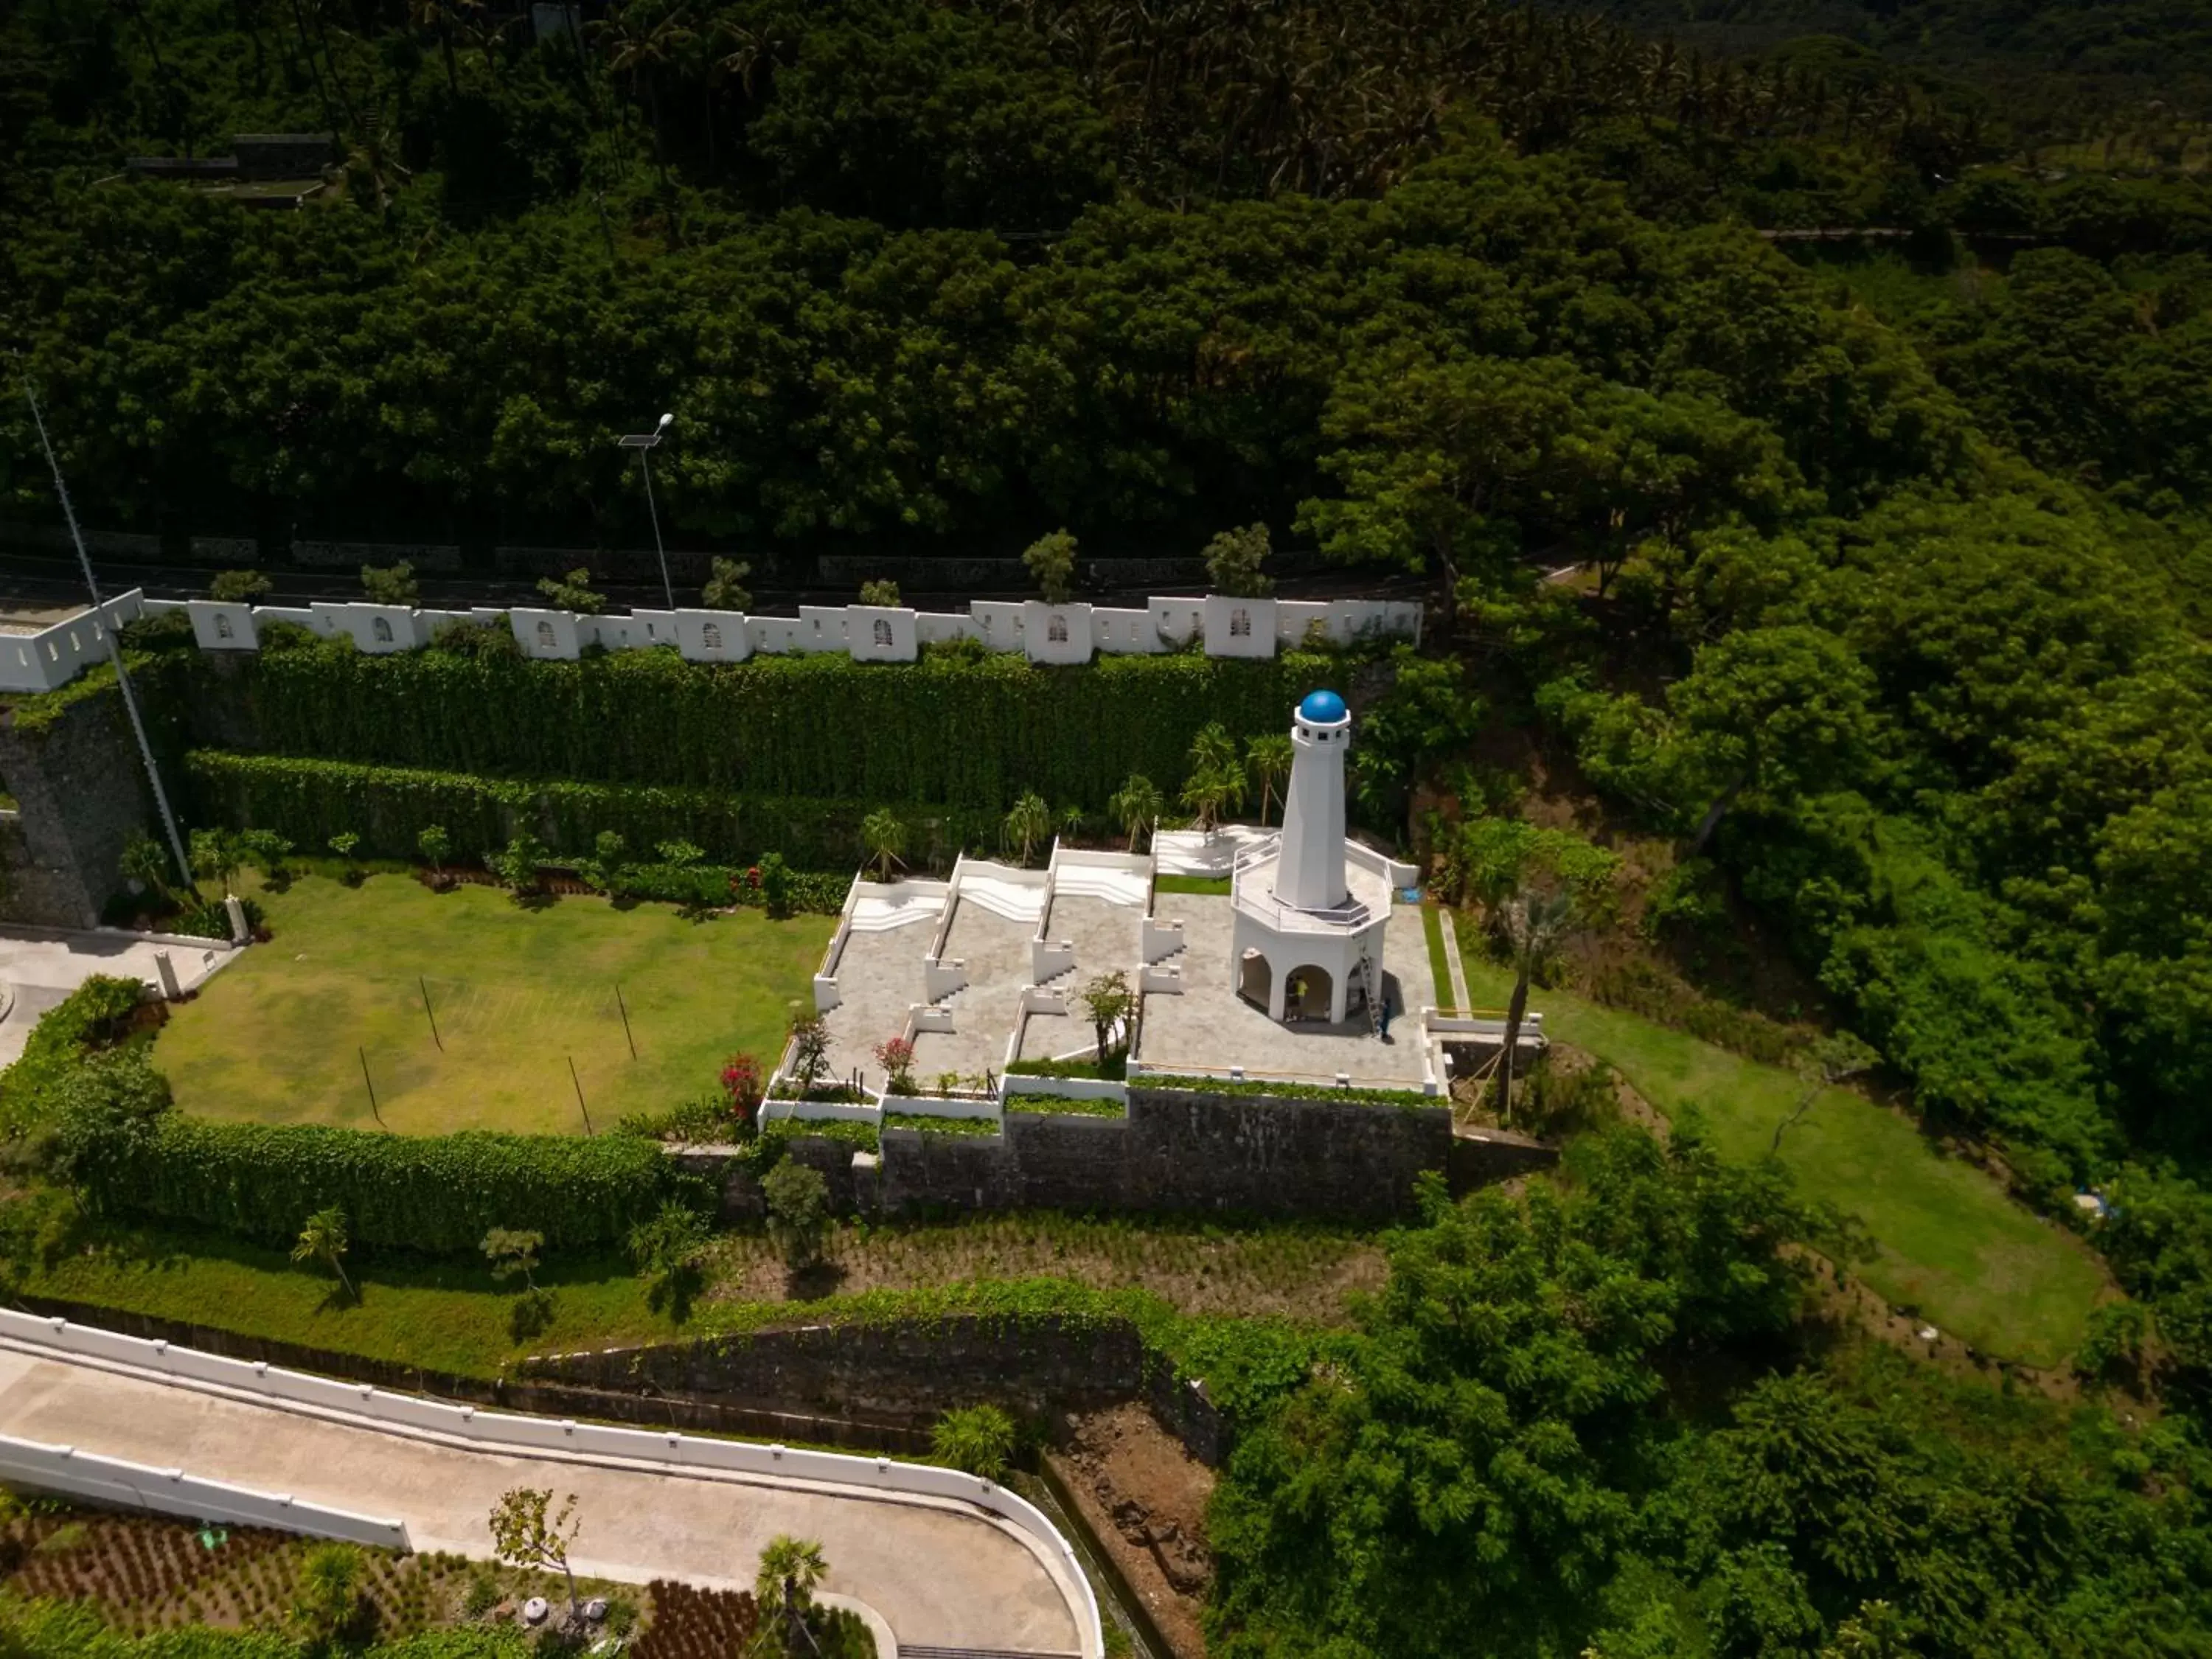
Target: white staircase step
{"points": [[1011, 901], [1090, 881], [881, 915]]}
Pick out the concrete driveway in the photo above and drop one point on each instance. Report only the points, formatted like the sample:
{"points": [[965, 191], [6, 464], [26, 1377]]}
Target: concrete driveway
{"points": [[42, 965], [939, 1573]]}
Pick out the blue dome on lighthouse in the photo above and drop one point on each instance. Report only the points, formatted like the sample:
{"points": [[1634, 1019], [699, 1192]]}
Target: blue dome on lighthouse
{"points": [[1321, 708]]}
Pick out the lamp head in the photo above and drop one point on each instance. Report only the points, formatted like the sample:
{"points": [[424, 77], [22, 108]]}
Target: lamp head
{"points": [[664, 422]]}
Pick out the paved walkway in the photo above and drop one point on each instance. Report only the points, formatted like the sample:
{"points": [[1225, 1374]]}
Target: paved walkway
{"points": [[940, 1573], [1454, 964], [42, 965]]}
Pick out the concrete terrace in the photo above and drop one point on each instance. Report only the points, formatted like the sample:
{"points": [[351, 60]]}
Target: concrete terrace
{"points": [[877, 969], [1100, 913], [1210, 1028], [993, 919], [996, 958], [955, 965]]}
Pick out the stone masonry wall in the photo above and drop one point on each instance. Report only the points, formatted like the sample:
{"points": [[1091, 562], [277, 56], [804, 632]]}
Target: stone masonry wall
{"points": [[1180, 1151], [902, 1370], [79, 792], [903, 1373]]}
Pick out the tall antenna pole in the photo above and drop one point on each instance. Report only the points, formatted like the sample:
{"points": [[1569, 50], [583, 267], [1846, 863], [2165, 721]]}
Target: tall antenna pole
{"points": [[114, 644]]}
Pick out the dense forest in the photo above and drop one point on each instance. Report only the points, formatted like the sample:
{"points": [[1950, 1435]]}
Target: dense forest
{"points": [[1891, 618]]}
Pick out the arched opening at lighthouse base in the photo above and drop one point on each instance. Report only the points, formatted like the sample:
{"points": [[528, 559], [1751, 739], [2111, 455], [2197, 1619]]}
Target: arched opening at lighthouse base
{"points": [[1256, 980], [1306, 993]]}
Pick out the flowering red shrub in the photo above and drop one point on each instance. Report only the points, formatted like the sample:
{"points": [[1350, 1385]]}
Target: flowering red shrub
{"points": [[742, 1083], [896, 1057]]}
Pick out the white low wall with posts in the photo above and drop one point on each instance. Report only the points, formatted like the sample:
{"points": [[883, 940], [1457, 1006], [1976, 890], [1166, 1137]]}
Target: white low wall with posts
{"points": [[67, 1472], [1043, 633], [506, 1432]]}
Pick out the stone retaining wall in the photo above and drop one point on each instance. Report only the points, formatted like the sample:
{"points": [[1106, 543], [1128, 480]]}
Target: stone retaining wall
{"points": [[79, 792], [1179, 1150], [907, 1372]]}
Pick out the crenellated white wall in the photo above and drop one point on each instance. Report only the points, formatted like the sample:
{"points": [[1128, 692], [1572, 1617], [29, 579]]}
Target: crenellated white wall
{"points": [[1229, 627], [54, 656], [221, 625], [1238, 627], [1056, 633]]}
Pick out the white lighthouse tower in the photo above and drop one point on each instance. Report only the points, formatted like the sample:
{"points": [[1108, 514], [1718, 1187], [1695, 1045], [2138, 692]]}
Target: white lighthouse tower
{"points": [[1311, 907], [1310, 876]]}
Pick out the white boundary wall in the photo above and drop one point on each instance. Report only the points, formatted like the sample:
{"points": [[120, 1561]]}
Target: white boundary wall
{"points": [[54, 656], [68, 1472], [1072, 633], [504, 1432]]}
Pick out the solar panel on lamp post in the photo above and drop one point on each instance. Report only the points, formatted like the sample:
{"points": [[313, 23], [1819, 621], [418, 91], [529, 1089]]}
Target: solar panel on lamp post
{"points": [[642, 442]]}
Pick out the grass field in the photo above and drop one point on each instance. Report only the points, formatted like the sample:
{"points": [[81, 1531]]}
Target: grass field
{"points": [[278, 1036], [1953, 1244]]}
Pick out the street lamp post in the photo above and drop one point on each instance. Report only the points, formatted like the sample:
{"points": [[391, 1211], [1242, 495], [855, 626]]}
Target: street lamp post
{"points": [[114, 644], [642, 442]]}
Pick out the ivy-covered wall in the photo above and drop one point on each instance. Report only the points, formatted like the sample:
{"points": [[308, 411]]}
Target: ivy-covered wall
{"points": [[970, 732]]}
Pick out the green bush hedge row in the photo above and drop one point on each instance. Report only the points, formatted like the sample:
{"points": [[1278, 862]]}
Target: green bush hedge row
{"points": [[94, 1013], [436, 1193], [972, 731], [388, 807]]}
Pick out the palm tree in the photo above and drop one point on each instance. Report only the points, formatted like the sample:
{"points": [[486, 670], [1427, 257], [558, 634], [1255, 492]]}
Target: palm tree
{"points": [[1028, 823], [1206, 794], [1213, 750], [791, 1569], [1268, 760], [886, 837], [433, 14], [145, 862], [1217, 776], [1534, 923], [324, 1240], [643, 47], [1137, 806]]}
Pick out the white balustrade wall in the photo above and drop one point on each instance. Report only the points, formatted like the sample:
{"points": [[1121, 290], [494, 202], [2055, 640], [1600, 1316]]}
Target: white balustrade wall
{"points": [[1043, 633], [508, 1433]]}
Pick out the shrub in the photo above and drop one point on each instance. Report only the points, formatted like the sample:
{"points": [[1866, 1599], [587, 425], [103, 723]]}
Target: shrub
{"points": [[330, 1601], [797, 1212], [90, 1017], [743, 1085], [979, 1439], [238, 587]]}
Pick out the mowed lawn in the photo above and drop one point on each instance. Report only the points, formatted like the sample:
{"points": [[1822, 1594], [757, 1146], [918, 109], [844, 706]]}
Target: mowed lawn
{"points": [[279, 1036], [1952, 1243]]}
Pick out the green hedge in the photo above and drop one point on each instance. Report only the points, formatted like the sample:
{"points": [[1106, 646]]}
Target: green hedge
{"points": [[974, 732], [93, 1014], [1350, 1096], [311, 801], [437, 1193]]}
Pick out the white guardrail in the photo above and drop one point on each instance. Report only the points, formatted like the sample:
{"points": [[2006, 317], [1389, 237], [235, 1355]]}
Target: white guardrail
{"points": [[509, 1432], [72, 1473]]}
